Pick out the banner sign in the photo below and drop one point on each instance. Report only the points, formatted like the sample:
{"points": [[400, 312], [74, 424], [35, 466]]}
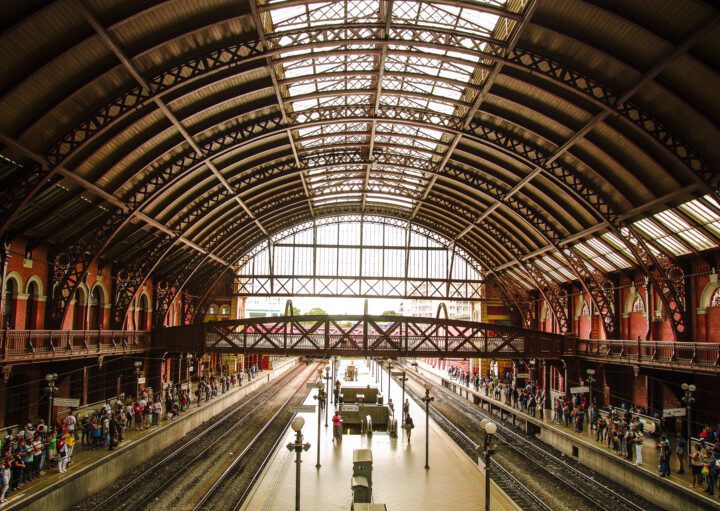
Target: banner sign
{"points": [[579, 390]]}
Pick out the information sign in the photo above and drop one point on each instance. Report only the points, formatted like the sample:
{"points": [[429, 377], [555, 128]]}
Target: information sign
{"points": [[65, 402], [579, 390], [675, 412], [141, 381], [350, 408]]}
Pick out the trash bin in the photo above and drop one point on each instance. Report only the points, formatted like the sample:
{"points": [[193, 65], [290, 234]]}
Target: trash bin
{"points": [[362, 464], [361, 490]]}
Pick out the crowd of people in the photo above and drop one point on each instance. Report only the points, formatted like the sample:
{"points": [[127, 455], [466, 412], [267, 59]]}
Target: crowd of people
{"points": [[620, 429], [36, 448]]}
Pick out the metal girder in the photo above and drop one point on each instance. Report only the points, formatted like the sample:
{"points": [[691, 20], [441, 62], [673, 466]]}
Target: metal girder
{"points": [[221, 59]]}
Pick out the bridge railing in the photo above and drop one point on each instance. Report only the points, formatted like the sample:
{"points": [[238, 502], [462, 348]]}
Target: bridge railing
{"points": [[21, 345], [704, 355]]}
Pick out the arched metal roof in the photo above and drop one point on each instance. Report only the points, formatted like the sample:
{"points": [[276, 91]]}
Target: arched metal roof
{"points": [[554, 140]]}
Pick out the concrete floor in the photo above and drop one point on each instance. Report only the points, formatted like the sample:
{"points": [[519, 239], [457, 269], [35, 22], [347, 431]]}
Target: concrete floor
{"points": [[400, 480]]}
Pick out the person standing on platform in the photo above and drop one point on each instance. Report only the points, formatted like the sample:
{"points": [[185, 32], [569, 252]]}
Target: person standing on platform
{"points": [[391, 405], [696, 465], [680, 448], [639, 440], [336, 392], [409, 425], [337, 427], [664, 446], [406, 408]]}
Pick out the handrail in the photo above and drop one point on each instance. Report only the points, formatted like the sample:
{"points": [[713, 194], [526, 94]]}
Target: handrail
{"points": [[677, 353], [35, 344]]}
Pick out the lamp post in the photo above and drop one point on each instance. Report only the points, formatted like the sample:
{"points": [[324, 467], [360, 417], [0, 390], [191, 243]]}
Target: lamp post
{"points": [[427, 399], [51, 389], [489, 429], [138, 364], [688, 399], [403, 379], [389, 364], [327, 381], [298, 446], [320, 397]]}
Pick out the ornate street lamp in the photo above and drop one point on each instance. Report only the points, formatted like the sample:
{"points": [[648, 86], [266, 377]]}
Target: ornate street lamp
{"points": [[320, 398], [327, 381], [427, 399], [688, 399], [489, 429], [389, 364], [590, 380], [137, 371], [298, 446], [51, 378]]}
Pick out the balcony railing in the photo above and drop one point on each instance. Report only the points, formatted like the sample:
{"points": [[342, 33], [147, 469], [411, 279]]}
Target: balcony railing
{"points": [[703, 356], [29, 345]]}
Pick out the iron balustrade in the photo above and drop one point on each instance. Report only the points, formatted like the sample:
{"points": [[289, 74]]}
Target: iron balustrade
{"points": [[30, 345], [701, 356]]}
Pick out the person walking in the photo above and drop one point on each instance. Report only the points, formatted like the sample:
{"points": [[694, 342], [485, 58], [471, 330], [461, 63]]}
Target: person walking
{"points": [[337, 426], [409, 425], [406, 407]]}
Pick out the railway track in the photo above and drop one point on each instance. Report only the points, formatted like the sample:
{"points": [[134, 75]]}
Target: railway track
{"points": [[158, 479], [232, 487], [590, 488]]}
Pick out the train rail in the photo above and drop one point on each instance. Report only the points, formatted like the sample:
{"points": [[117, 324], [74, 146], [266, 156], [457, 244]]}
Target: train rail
{"points": [[534, 451], [232, 487], [142, 490]]}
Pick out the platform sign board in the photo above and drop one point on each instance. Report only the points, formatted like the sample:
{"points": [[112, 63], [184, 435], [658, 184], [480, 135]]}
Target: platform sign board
{"points": [[350, 408], [141, 381], [65, 402], [185, 386], [579, 390], [674, 412], [522, 375], [302, 408], [554, 394]]}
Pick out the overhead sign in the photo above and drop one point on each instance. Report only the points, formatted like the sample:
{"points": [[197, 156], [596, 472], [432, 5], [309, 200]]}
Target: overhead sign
{"points": [[66, 402], [397, 373], [522, 375], [350, 408], [579, 390], [675, 412], [302, 408], [141, 381]]}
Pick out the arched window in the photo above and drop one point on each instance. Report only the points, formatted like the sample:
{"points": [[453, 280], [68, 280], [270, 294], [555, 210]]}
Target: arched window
{"points": [[11, 292], [585, 309], [31, 307], [97, 302], [80, 309], [715, 300], [143, 313], [638, 305], [224, 310], [212, 310], [548, 313]]}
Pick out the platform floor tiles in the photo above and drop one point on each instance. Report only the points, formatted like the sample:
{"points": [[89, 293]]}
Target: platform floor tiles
{"points": [[400, 480]]}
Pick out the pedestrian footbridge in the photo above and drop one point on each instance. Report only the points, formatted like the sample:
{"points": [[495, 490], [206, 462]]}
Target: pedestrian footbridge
{"points": [[363, 335]]}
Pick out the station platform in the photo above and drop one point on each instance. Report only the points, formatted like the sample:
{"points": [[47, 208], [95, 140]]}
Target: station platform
{"points": [[650, 453], [400, 480], [85, 460]]}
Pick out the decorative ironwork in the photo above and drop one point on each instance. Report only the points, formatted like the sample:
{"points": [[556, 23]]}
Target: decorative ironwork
{"points": [[361, 335]]}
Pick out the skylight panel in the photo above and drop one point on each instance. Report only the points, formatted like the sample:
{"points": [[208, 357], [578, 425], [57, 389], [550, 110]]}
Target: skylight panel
{"points": [[660, 237], [675, 223], [702, 211], [561, 268]]}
